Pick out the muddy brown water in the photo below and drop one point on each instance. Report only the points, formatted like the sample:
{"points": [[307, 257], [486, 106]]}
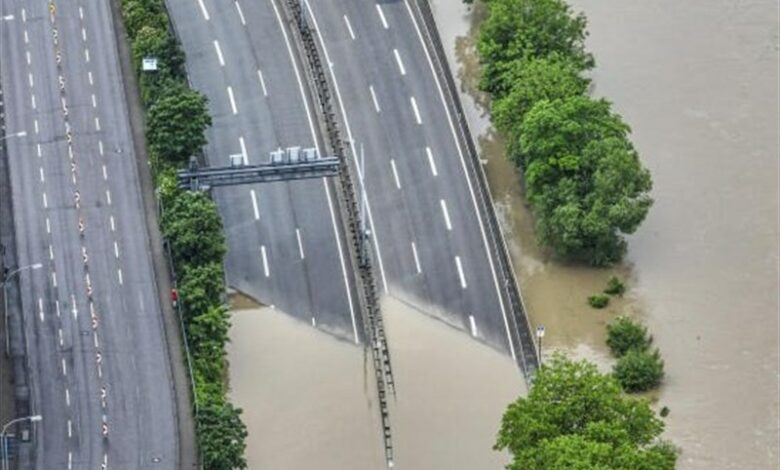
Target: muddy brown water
{"points": [[309, 399], [698, 82]]}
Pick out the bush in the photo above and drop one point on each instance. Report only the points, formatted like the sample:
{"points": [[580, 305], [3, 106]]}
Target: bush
{"points": [[194, 229], [615, 287], [222, 435], [638, 370], [624, 334], [598, 300]]}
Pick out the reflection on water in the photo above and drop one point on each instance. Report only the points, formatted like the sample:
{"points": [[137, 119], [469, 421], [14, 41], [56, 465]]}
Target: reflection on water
{"points": [[697, 81], [309, 399]]}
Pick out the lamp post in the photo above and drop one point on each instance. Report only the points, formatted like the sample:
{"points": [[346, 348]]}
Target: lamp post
{"points": [[16, 134], [539, 336], [5, 300], [32, 419]]}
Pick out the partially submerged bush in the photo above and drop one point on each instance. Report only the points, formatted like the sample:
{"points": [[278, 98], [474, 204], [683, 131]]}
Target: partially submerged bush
{"points": [[625, 334], [615, 286], [638, 370], [598, 300]]}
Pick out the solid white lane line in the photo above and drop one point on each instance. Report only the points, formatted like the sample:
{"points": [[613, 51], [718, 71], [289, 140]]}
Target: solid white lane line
{"points": [[232, 100], [240, 13], [203, 10], [473, 324], [300, 244], [45, 202], [398, 60], [416, 111], [94, 101], [108, 197], [395, 174], [496, 283], [111, 220], [116, 250], [430, 161], [349, 27], [446, 213], [382, 16], [324, 181], [254, 204], [30, 80], [119, 275], [262, 82], [374, 231], [373, 97], [265, 261], [463, 284], [244, 155], [416, 258], [43, 178], [219, 53]]}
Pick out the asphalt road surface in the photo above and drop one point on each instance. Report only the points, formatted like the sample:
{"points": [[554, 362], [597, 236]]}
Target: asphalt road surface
{"points": [[285, 242], [94, 333]]}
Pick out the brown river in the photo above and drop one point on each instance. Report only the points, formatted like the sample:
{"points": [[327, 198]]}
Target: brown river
{"points": [[698, 82]]}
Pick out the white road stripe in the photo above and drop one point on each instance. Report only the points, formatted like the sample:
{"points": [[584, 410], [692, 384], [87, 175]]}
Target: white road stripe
{"points": [[111, 220], [32, 102], [108, 197], [38, 150], [48, 225], [254, 204], [416, 258], [105, 173], [203, 10], [219, 53], [89, 77], [446, 214], [473, 324], [97, 124], [30, 80], [51, 252], [45, 202], [43, 178], [398, 60], [463, 284], [262, 82], [26, 37], [416, 111], [373, 97], [73, 309], [240, 13], [64, 367], [62, 343], [29, 59], [119, 275], [116, 250], [70, 429], [67, 393], [57, 307], [395, 174], [40, 308], [232, 100], [300, 244], [94, 101], [430, 161], [244, 155], [70, 460], [86, 55], [265, 261], [81, 13], [100, 147], [349, 27], [35, 125], [24, 16], [83, 34], [382, 17]]}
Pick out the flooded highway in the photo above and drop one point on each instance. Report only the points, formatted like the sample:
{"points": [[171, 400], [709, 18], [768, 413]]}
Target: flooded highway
{"points": [[698, 83]]}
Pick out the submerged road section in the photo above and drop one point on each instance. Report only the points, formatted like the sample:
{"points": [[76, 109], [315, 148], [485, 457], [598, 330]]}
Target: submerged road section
{"points": [[90, 320]]}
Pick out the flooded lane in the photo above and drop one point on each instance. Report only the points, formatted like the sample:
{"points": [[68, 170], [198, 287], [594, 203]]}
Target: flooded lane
{"points": [[698, 82], [309, 399]]}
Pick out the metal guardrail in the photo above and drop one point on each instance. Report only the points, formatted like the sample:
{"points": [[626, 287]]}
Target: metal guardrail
{"points": [[528, 358], [372, 318]]}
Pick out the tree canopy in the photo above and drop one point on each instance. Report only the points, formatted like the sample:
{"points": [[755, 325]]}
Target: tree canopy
{"points": [[176, 124], [194, 228], [576, 418]]}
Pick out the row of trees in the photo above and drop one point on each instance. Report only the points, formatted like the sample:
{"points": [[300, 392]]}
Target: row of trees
{"points": [[176, 121], [583, 177]]}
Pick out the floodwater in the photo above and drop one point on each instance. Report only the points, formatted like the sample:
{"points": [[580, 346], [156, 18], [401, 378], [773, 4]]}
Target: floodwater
{"points": [[698, 82], [309, 399]]}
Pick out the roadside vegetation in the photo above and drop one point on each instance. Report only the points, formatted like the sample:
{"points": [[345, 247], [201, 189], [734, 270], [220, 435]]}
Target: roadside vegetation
{"points": [[582, 175], [638, 368], [176, 119], [577, 418]]}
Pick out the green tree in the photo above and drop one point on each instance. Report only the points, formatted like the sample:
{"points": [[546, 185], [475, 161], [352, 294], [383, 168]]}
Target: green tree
{"points": [[201, 287], [140, 13], [176, 123], [639, 370], [528, 29], [194, 230], [531, 81], [583, 177], [625, 334], [577, 418], [222, 436]]}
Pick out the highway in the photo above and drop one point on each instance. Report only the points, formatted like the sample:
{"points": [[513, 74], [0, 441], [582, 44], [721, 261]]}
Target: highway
{"points": [[428, 233], [93, 327], [285, 243]]}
